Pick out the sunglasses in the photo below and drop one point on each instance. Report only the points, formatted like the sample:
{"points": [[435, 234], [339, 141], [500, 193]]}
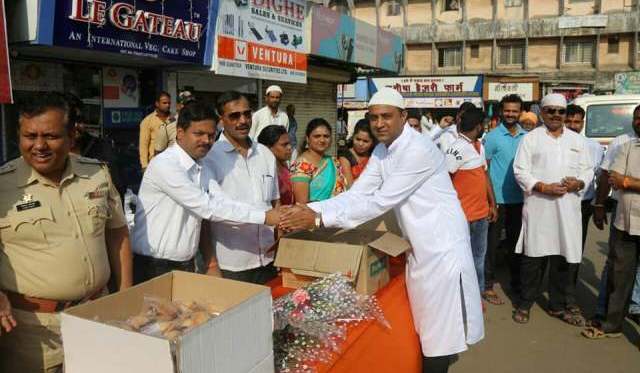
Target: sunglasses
{"points": [[237, 114], [555, 111]]}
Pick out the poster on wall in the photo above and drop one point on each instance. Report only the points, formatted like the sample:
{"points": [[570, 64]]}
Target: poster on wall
{"points": [[172, 30], [262, 39], [120, 87], [36, 76], [627, 83], [6, 94]]}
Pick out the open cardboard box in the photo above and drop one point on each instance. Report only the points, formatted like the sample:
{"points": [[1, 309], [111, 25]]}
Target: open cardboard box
{"points": [[362, 256], [238, 340]]}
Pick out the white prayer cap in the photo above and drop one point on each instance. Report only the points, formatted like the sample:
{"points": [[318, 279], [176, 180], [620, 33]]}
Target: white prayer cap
{"points": [[273, 88], [387, 96], [554, 99]]}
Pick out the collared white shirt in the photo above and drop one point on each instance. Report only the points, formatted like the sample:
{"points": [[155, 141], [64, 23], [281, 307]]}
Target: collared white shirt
{"points": [[462, 155], [172, 203], [252, 180], [597, 154], [264, 118], [612, 151], [551, 225], [410, 176]]}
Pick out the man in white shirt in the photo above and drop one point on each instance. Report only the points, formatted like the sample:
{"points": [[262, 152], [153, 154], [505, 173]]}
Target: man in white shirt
{"points": [[447, 132], [600, 215], [247, 172], [407, 173], [270, 113], [552, 166], [575, 122], [173, 201]]}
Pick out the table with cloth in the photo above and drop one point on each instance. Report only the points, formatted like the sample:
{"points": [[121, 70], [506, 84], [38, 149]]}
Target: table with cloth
{"points": [[369, 346]]}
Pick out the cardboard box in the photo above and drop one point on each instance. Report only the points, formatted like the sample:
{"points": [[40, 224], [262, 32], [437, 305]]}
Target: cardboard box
{"points": [[363, 256], [238, 340]]}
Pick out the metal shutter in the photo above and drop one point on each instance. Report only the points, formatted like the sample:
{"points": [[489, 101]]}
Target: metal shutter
{"points": [[315, 99]]}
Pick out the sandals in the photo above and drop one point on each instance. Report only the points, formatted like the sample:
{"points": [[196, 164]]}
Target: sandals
{"points": [[520, 316], [492, 297], [572, 315], [597, 333]]}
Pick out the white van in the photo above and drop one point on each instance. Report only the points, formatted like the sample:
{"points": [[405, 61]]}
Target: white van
{"points": [[607, 116]]}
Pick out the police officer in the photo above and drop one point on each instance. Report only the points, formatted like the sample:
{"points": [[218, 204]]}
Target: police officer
{"points": [[62, 234]]}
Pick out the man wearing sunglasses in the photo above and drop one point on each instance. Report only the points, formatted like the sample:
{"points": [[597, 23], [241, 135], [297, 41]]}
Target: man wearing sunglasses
{"points": [[247, 172], [552, 166]]}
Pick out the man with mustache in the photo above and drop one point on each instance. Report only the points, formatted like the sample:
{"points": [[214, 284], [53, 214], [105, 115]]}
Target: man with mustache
{"points": [[176, 195], [246, 171], [63, 234], [552, 166]]}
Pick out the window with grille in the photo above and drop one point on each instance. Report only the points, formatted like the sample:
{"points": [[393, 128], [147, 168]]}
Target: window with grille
{"points": [[613, 45], [512, 3], [451, 5], [578, 51], [475, 50], [449, 57], [511, 55]]}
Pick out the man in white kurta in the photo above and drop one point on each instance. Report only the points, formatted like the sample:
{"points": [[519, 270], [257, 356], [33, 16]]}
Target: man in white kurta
{"points": [[552, 166], [407, 173]]}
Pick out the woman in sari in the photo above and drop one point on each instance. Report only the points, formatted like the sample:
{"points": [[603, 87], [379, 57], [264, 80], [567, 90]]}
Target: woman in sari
{"points": [[276, 138], [316, 176], [359, 147]]}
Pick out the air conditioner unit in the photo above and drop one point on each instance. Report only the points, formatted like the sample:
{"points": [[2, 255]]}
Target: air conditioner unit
{"points": [[393, 8]]}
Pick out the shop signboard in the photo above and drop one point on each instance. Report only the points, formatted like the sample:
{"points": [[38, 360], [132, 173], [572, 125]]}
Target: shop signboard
{"points": [[120, 87], [497, 90], [433, 91], [122, 117], [262, 39], [172, 30], [6, 95], [343, 38], [628, 83]]}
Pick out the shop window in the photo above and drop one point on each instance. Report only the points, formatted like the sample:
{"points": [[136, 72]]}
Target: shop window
{"points": [[450, 5], [475, 50], [449, 57], [512, 3], [511, 55], [578, 52], [613, 45]]}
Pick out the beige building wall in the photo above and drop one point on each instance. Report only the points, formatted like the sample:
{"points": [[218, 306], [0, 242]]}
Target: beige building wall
{"points": [[543, 53], [387, 20], [579, 8], [511, 12], [479, 9], [418, 58], [483, 61], [616, 5], [543, 8], [365, 11], [613, 61], [418, 12]]}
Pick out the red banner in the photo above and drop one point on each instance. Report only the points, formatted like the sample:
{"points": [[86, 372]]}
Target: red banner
{"points": [[6, 94]]}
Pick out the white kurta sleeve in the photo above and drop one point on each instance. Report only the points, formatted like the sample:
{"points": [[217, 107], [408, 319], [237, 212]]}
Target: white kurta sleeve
{"points": [[585, 166], [411, 170], [176, 184], [522, 164]]}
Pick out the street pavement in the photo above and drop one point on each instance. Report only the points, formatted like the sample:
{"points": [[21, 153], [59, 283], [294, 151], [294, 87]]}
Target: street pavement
{"points": [[548, 345]]}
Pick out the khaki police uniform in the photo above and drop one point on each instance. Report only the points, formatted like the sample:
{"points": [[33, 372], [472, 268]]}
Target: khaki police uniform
{"points": [[52, 246]]}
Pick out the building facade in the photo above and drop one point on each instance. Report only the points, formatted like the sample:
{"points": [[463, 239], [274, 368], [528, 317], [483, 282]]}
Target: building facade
{"points": [[571, 46]]}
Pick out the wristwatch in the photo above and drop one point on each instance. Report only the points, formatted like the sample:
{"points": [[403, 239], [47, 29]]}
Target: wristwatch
{"points": [[318, 221]]}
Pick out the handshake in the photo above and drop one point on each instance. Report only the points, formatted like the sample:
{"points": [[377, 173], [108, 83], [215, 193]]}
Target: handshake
{"points": [[291, 218]]}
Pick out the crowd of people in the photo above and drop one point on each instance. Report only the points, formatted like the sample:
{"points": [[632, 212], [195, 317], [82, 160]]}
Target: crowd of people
{"points": [[222, 183]]}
